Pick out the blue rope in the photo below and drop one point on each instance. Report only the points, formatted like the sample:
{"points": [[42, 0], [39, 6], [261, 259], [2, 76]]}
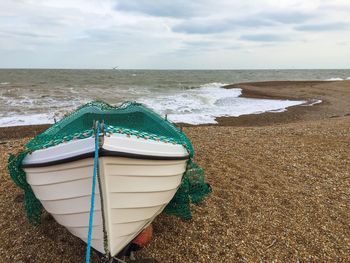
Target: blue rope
{"points": [[92, 202]]}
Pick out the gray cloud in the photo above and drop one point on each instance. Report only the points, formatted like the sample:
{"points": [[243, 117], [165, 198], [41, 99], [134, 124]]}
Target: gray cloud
{"points": [[252, 21], [264, 38], [203, 27], [210, 26], [324, 27], [206, 26], [287, 17], [180, 8]]}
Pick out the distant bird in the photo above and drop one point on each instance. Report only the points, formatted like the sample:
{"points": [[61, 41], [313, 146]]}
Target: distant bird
{"points": [[115, 67]]}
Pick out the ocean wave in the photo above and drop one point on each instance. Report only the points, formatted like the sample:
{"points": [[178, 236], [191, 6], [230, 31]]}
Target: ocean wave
{"points": [[199, 105], [44, 101], [209, 101], [32, 119], [336, 79]]}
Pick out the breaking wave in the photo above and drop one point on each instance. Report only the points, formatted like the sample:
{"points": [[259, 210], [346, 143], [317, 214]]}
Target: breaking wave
{"points": [[190, 105]]}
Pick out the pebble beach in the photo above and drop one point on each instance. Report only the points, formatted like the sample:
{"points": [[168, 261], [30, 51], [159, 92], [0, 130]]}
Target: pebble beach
{"points": [[281, 188]]}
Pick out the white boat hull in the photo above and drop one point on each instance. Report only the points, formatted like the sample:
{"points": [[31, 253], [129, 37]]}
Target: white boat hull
{"points": [[134, 192]]}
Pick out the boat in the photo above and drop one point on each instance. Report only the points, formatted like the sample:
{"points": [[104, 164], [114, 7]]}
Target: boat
{"points": [[143, 160]]}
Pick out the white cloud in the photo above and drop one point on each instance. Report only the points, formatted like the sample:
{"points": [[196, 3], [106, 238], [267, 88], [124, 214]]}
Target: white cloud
{"points": [[174, 34]]}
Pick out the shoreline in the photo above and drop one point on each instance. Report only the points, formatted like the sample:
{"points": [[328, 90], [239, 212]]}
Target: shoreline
{"points": [[282, 90], [333, 95]]}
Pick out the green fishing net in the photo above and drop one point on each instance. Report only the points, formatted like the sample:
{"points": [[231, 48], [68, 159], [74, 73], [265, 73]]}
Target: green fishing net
{"points": [[130, 118], [193, 189]]}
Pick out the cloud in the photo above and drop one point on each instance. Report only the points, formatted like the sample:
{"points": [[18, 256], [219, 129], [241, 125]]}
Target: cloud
{"points": [[264, 38], [287, 17], [324, 27], [180, 8], [214, 26], [205, 25]]}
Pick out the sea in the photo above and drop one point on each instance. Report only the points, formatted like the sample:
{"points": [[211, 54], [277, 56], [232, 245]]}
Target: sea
{"points": [[40, 96]]}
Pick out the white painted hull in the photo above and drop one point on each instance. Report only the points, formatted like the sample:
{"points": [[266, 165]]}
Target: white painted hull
{"points": [[134, 192]]}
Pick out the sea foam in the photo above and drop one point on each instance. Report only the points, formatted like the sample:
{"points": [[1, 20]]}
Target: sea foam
{"points": [[26, 120], [337, 79], [203, 105]]}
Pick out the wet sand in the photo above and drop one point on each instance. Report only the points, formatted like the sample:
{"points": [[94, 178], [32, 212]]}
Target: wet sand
{"points": [[281, 188]]}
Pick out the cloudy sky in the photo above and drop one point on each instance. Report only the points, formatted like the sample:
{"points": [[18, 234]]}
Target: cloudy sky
{"points": [[183, 34]]}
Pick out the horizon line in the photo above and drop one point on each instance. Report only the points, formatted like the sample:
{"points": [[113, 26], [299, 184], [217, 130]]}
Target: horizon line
{"points": [[169, 69]]}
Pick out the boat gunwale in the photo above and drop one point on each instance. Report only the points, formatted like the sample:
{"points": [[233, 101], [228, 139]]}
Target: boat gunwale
{"points": [[102, 153]]}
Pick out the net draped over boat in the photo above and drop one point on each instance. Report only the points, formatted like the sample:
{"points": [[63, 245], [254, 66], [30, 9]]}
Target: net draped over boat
{"points": [[131, 119]]}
